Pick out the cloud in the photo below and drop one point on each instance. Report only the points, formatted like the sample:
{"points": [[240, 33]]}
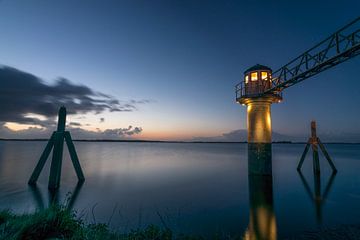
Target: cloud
{"points": [[76, 133], [102, 120], [22, 93], [241, 136], [112, 134], [75, 124], [123, 131]]}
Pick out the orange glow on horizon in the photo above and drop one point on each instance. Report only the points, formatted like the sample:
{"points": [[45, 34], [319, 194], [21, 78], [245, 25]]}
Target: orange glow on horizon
{"points": [[174, 135], [18, 127]]}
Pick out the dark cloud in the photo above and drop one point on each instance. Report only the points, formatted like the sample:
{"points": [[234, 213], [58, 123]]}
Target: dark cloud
{"points": [[113, 134], [75, 124], [22, 93], [76, 132], [102, 120], [123, 131]]}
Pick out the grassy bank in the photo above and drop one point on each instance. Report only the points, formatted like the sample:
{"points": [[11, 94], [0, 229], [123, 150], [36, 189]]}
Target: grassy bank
{"points": [[58, 222]]}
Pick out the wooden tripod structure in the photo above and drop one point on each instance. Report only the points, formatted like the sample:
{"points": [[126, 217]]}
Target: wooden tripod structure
{"points": [[314, 141], [56, 142]]}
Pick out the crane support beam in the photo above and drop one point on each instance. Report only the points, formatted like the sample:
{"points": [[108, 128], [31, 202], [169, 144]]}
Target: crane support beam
{"points": [[337, 48]]}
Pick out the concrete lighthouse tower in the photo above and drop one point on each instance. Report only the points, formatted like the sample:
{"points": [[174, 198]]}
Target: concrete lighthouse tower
{"points": [[250, 92]]}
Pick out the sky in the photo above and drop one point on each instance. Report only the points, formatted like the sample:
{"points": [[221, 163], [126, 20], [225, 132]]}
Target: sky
{"points": [[166, 70]]}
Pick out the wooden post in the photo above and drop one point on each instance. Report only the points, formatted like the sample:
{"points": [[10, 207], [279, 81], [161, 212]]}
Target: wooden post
{"points": [[55, 169], [40, 165], [327, 156], [314, 141], [74, 157], [303, 155], [316, 163], [56, 143], [314, 145]]}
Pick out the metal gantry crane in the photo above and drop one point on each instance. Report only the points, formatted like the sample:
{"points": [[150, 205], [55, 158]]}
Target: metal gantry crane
{"points": [[261, 87], [340, 46]]}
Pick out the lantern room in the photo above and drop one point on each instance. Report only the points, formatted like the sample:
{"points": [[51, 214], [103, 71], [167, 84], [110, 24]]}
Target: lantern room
{"points": [[257, 79]]}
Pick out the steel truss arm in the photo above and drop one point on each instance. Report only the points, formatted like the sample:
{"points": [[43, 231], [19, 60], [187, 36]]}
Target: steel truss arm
{"points": [[337, 48]]}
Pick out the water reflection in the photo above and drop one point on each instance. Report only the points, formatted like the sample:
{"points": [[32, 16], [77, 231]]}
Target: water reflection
{"points": [[317, 197], [201, 188], [36, 193], [262, 220], [53, 196]]}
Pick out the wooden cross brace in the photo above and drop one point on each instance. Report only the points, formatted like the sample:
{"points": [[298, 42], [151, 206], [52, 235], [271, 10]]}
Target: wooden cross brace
{"points": [[314, 141], [56, 142]]}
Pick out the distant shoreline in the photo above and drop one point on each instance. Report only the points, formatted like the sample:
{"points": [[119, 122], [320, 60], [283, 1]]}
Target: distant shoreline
{"points": [[159, 141]]}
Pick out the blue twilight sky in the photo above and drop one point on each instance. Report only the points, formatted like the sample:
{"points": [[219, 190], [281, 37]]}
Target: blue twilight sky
{"points": [[184, 58]]}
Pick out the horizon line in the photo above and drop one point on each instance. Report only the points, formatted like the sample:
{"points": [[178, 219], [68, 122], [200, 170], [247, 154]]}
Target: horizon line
{"points": [[158, 141]]}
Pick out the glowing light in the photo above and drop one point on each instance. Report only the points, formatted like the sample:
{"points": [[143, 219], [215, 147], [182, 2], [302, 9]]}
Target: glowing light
{"points": [[247, 79], [268, 120], [264, 75], [18, 127], [254, 76]]}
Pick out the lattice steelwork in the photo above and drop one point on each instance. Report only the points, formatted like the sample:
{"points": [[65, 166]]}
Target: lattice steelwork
{"points": [[339, 47]]}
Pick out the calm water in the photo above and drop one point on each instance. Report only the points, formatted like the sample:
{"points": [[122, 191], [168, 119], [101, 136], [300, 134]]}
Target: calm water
{"points": [[191, 188]]}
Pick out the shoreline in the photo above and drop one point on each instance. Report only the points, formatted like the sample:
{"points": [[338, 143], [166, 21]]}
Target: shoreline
{"points": [[60, 222], [160, 141]]}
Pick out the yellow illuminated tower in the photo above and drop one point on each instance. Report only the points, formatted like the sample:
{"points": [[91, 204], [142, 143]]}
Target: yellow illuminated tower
{"points": [[262, 220], [257, 80]]}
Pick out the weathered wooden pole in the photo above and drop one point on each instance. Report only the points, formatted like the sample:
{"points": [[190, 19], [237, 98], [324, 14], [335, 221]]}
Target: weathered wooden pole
{"points": [[56, 142], [314, 141], [74, 157], [314, 145], [327, 156], [56, 163], [317, 197], [304, 155], [42, 160]]}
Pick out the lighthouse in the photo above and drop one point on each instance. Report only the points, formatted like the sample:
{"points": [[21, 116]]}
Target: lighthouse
{"points": [[251, 92]]}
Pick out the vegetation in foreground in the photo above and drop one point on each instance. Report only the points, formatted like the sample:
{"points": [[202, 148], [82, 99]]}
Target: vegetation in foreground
{"points": [[58, 222]]}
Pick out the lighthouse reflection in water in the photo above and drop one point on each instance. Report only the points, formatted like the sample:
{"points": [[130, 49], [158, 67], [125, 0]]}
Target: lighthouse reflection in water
{"points": [[262, 220]]}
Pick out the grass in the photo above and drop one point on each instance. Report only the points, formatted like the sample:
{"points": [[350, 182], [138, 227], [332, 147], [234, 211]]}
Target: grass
{"points": [[58, 222]]}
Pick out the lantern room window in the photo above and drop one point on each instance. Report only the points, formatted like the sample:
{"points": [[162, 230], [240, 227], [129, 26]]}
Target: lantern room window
{"points": [[254, 76], [264, 76], [247, 79]]}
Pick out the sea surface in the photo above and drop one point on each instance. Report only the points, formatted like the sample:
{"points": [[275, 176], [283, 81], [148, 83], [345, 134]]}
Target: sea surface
{"points": [[193, 188]]}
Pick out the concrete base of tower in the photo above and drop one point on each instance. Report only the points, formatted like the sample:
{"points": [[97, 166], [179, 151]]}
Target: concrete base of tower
{"points": [[259, 159]]}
